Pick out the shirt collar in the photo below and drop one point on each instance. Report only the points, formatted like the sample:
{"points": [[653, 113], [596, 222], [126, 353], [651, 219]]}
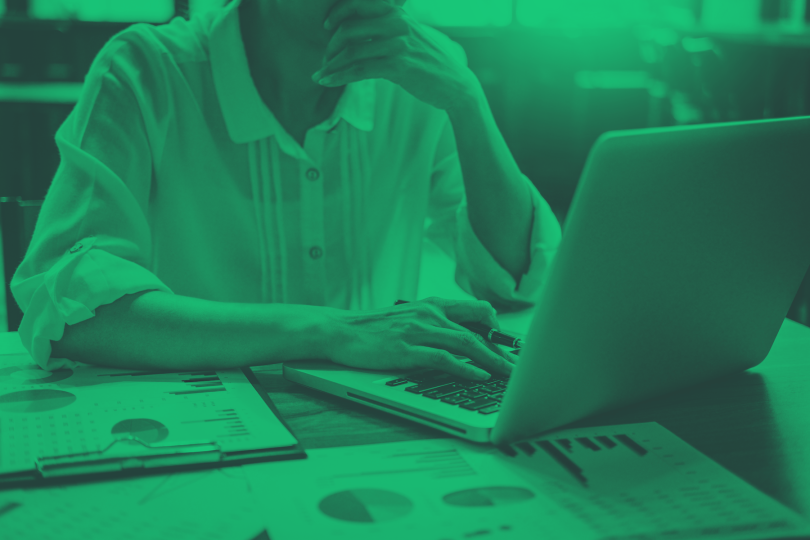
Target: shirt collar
{"points": [[246, 116]]}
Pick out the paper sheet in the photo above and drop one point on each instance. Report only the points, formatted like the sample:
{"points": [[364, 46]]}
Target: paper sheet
{"points": [[206, 505], [636, 482], [84, 409]]}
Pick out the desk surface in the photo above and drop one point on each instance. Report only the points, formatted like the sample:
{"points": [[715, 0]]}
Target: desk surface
{"points": [[754, 423]]}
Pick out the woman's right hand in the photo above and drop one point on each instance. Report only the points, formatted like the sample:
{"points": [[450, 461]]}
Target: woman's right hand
{"points": [[422, 334]]}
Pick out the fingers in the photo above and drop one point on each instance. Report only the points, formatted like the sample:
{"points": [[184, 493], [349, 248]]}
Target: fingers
{"points": [[471, 345], [356, 32], [444, 361], [488, 344], [356, 53], [461, 311], [506, 355], [449, 313]]}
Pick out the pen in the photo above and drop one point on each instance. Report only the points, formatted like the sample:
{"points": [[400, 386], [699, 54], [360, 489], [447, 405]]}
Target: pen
{"points": [[491, 334]]}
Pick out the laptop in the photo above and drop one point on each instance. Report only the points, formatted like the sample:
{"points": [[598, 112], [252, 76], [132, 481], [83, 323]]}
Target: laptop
{"points": [[682, 252]]}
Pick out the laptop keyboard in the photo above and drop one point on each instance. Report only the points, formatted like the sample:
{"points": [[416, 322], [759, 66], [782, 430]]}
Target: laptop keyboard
{"points": [[483, 397]]}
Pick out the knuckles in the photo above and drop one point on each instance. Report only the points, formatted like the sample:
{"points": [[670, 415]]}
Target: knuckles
{"points": [[435, 303], [426, 310], [482, 306], [401, 25], [350, 53], [439, 359], [469, 339], [399, 44], [411, 328]]}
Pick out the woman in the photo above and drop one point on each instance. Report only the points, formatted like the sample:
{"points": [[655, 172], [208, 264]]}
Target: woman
{"points": [[252, 186]]}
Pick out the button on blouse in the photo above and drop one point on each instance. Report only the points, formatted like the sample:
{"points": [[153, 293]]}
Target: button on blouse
{"points": [[176, 177]]}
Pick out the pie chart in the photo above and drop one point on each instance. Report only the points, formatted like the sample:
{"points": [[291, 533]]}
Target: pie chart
{"points": [[143, 429], [365, 505], [31, 401], [488, 496], [34, 375]]}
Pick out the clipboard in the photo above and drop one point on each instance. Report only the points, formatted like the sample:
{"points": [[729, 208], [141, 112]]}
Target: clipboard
{"points": [[134, 453]]}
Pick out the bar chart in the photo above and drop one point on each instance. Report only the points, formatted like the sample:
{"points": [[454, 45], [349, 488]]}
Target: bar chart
{"points": [[560, 450], [628, 482]]}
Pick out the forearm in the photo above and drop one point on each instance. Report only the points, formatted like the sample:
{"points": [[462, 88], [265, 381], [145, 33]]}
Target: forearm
{"points": [[499, 207], [155, 330]]}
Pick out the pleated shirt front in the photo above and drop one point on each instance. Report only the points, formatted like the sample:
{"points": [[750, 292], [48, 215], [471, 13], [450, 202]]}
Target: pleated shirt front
{"points": [[175, 176]]}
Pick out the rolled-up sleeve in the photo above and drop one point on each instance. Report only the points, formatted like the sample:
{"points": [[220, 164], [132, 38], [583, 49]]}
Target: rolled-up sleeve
{"points": [[477, 272], [92, 242]]}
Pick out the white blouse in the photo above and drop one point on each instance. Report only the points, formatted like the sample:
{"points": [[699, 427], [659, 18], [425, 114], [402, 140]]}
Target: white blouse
{"points": [[176, 177]]}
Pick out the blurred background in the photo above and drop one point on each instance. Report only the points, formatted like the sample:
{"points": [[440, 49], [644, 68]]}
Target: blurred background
{"points": [[557, 73]]}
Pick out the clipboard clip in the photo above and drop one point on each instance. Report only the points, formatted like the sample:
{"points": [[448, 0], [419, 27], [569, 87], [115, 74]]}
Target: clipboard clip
{"points": [[127, 453]]}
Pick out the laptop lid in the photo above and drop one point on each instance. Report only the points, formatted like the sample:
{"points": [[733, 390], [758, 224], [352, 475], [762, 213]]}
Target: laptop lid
{"points": [[682, 252]]}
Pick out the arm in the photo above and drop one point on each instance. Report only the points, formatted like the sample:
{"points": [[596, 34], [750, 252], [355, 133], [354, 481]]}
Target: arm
{"points": [[498, 205], [155, 330], [381, 40]]}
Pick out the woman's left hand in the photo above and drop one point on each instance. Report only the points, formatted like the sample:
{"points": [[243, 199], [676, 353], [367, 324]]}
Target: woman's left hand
{"points": [[376, 39]]}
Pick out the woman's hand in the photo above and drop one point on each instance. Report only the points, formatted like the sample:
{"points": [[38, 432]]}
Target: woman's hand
{"points": [[422, 334], [378, 39]]}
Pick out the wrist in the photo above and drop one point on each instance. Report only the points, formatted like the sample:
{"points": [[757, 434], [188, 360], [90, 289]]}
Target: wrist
{"points": [[468, 102], [301, 332], [332, 329]]}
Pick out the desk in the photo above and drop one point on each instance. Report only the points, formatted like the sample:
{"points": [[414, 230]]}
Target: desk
{"points": [[756, 423]]}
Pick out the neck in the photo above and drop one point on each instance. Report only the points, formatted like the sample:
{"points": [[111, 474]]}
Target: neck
{"points": [[281, 64]]}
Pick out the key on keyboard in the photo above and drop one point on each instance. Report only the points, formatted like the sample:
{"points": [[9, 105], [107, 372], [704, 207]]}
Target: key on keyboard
{"points": [[483, 397]]}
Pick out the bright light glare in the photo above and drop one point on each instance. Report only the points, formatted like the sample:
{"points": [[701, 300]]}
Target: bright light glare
{"points": [[198, 6], [581, 13], [461, 12], [731, 14], [103, 10]]}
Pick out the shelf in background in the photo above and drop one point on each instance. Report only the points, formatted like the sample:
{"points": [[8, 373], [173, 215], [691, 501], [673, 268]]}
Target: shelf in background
{"points": [[3, 311], [56, 92]]}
